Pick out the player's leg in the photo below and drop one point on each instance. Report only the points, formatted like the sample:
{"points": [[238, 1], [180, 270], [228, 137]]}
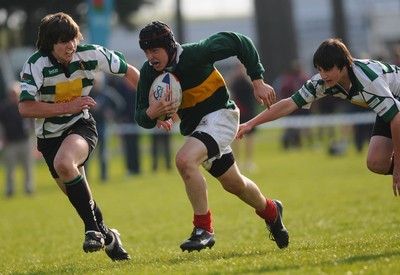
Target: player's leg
{"points": [[68, 164], [380, 151], [112, 240], [244, 188], [73, 152], [61, 185], [188, 161], [213, 134], [380, 154], [239, 185]]}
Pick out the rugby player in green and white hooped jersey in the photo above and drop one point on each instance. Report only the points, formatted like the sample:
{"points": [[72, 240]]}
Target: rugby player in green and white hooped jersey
{"points": [[209, 120], [369, 83], [55, 85]]}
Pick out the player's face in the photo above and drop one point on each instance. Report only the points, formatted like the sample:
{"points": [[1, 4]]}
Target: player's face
{"points": [[64, 51], [331, 77], [157, 57]]}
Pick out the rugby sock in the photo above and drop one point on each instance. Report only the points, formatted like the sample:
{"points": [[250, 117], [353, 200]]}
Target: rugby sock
{"points": [[269, 213], [203, 221], [101, 224], [79, 196]]}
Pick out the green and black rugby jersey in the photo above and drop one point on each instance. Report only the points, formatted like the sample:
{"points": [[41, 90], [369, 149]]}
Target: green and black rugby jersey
{"points": [[374, 84], [44, 79], [203, 88]]}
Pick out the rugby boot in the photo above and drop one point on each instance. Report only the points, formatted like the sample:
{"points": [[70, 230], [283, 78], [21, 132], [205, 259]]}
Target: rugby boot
{"points": [[200, 239], [278, 232], [114, 250], [94, 241]]}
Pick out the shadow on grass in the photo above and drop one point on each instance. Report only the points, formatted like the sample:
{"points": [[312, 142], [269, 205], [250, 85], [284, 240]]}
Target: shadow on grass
{"points": [[101, 267], [333, 263], [195, 257], [365, 258]]}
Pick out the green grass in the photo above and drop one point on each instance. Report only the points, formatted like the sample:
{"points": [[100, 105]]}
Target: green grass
{"points": [[342, 220]]}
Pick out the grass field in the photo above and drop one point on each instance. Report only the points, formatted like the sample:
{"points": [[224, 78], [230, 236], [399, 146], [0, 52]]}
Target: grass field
{"points": [[342, 219]]}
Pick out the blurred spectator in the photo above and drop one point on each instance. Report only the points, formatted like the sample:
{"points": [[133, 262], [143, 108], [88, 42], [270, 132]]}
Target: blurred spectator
{"points": [[241, 90], [336, 143], [285, 86], [161, 144], [108, 103], [128, 128], [17, 144]]}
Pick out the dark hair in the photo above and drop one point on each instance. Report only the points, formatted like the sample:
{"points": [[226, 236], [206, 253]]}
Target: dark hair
{"points": [[55, 28], [157, 34], [332, 52]]}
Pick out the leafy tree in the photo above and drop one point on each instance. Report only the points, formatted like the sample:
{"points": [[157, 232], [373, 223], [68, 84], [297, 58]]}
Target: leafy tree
{"points": [[23, 16]]}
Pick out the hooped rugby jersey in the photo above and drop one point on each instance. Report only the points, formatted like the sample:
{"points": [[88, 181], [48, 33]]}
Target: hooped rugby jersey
{"points": [[203, 88], [374, 84], [44, 79]]}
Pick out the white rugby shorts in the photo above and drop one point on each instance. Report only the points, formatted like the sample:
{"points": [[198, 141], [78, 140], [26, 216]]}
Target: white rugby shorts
{"points": [[222, 125]]}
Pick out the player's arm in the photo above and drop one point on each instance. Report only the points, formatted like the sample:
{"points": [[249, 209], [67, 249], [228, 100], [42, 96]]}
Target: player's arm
{"points": [[281, 108], [246, 52], [395, 128], [142, 100], [132, 74], [264, 93], [37, 109]]}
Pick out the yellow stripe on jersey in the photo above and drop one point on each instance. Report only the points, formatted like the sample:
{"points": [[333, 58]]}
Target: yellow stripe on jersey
{"points": [[362, 104], [198, 94], [67, 91]]}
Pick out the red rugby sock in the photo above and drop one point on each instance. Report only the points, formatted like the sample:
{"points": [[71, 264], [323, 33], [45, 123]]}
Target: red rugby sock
{"points": [[269, 213], [203, 221]]}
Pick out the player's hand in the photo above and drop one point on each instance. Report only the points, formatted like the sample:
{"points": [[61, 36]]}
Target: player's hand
{"points": [[160, 107], [396, 182], [166, 124], [264, 93], [396, 188], [78, 104], [244, 128]]}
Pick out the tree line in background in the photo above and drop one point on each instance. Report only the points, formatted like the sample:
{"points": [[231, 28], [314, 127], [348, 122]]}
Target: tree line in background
{"points": [[277, 33], [19, 19]]}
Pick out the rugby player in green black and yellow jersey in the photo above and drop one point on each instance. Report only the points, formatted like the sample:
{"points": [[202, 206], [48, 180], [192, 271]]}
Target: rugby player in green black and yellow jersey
{"points": [[209, 121]]}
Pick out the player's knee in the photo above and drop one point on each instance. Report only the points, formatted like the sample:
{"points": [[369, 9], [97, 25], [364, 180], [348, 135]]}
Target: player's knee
{"points": [[182, 162], [234, 187], [377, 167], [62, 166]]}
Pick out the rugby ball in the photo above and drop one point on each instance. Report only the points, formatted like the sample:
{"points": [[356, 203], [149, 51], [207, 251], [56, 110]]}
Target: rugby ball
{"points": [[161, 85]]}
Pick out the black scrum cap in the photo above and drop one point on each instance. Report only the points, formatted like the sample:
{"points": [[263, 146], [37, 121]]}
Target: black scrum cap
{"points": [[157, 34]]}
